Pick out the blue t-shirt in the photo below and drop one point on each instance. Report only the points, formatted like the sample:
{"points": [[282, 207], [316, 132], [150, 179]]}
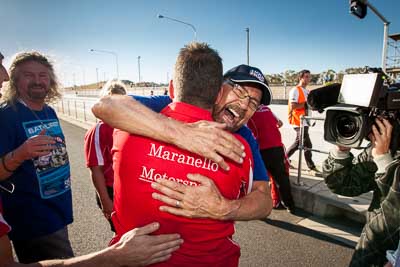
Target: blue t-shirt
{"points": [[157, 103], [41, 202]]}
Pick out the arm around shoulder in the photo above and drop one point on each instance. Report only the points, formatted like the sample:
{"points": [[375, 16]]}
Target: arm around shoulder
{"points": [[255, 205]]}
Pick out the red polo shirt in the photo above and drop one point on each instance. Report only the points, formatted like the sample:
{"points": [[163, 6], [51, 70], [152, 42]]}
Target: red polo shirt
{"points": [[263, 124], [4, 227], [98, 145], [138, 161]]}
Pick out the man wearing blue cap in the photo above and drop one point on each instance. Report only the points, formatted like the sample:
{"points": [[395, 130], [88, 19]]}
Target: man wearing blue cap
{"points": [[244, 88]]}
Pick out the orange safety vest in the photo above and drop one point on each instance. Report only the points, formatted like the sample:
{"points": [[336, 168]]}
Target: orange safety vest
{"points": [[294, 114]]}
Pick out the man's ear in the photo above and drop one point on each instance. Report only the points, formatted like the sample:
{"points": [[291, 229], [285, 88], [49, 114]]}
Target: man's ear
{"points": [[171, 89]]}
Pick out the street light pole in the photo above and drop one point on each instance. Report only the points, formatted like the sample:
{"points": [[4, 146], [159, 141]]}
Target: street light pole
{"points": [[357, 11], [180, 21], [248, 45], [385, 32], [139, 67], [108, 52]]}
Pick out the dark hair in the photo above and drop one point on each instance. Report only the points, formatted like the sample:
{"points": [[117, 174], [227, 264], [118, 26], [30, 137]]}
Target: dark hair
{"points": [[1, 56], [302, 73], [198, 75]]}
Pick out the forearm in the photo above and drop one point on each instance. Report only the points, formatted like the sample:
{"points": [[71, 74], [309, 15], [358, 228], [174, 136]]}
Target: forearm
{"points": [[127, 114], [104, 258], [345, 177], [99, 182], [256, 205], [295, 105], [382, 162], [9, 163]]}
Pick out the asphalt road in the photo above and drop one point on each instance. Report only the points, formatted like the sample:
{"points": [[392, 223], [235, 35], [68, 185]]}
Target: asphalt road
{"points": [[277, 241]]}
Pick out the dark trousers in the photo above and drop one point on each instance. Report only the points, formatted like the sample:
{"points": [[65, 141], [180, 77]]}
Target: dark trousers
{"points": [[274, 160], [52, 246], [110, 191], [307, 144]]}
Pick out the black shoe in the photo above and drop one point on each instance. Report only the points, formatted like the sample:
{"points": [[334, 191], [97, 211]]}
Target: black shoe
{"points": [[315, 172], [291, 210]]}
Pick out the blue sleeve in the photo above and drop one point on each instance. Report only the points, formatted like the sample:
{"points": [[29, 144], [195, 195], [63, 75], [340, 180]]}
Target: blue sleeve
{"points": [[155, 102], [260, 172]]}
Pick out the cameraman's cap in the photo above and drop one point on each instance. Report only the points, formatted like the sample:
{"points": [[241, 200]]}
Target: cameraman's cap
{"points": [[248, 74]]}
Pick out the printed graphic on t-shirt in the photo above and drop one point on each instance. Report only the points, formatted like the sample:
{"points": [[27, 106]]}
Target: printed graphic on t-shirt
{"points": [[150, 174], [52, 170]]}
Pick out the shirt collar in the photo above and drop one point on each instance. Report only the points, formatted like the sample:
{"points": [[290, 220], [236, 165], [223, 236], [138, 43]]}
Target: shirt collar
{"points": [[189, 110]]}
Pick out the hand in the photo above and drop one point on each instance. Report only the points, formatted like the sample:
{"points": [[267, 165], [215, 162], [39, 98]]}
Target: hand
{"points": [[36, 146], [138, 248], [279, 123], [208, 139], [107, 207], [202, 201], [380, 137], [343, 148]]}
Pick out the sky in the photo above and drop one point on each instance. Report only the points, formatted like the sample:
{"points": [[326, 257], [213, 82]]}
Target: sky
{"points": [[284, 35]]}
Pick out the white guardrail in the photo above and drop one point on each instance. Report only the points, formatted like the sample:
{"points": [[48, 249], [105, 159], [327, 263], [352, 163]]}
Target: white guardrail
{"points": [[78, 105]]}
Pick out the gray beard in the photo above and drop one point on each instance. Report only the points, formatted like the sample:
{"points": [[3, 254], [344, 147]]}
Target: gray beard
{"points": [[37, 96]]}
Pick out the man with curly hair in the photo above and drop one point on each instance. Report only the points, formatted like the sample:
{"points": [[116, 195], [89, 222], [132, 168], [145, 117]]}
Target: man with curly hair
{"points": [[34, 159]]}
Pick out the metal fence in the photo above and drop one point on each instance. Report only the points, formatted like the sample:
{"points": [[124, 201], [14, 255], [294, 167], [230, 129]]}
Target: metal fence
{"points": [[131, 90], [302, 148], [279, 91], [77, 108], [77, 105]]}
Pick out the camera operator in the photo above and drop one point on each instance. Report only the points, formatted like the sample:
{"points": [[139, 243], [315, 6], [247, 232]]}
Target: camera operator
{"points": [[376, 169]]}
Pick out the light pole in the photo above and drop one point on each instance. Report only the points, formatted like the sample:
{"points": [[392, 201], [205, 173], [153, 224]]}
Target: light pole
{"points": [[138, 62], [108, 52], [248, 45], [177, 20], [97, 76], [73, 78], [359, 9]]}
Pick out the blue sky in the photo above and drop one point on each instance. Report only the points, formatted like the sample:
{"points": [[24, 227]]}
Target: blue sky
{"points": [[286, 34]]}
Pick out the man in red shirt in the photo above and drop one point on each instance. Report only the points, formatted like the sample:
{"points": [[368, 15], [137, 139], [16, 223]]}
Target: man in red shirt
{"points": [[265, 127], [138, 161], [98, 145]]}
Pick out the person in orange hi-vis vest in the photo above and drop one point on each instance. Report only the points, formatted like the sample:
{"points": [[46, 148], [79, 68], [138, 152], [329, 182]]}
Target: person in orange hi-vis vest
{"points": [[297, 106]]}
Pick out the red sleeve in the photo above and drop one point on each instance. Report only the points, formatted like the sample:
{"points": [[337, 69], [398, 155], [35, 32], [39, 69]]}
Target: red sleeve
{"points": [[4, 227], [93, 149]]}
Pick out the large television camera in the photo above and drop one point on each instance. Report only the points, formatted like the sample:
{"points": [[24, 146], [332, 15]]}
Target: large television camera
{"points": [[360, 99]]}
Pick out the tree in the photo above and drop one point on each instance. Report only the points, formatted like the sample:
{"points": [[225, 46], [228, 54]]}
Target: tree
{"points": [[355, 70]]}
